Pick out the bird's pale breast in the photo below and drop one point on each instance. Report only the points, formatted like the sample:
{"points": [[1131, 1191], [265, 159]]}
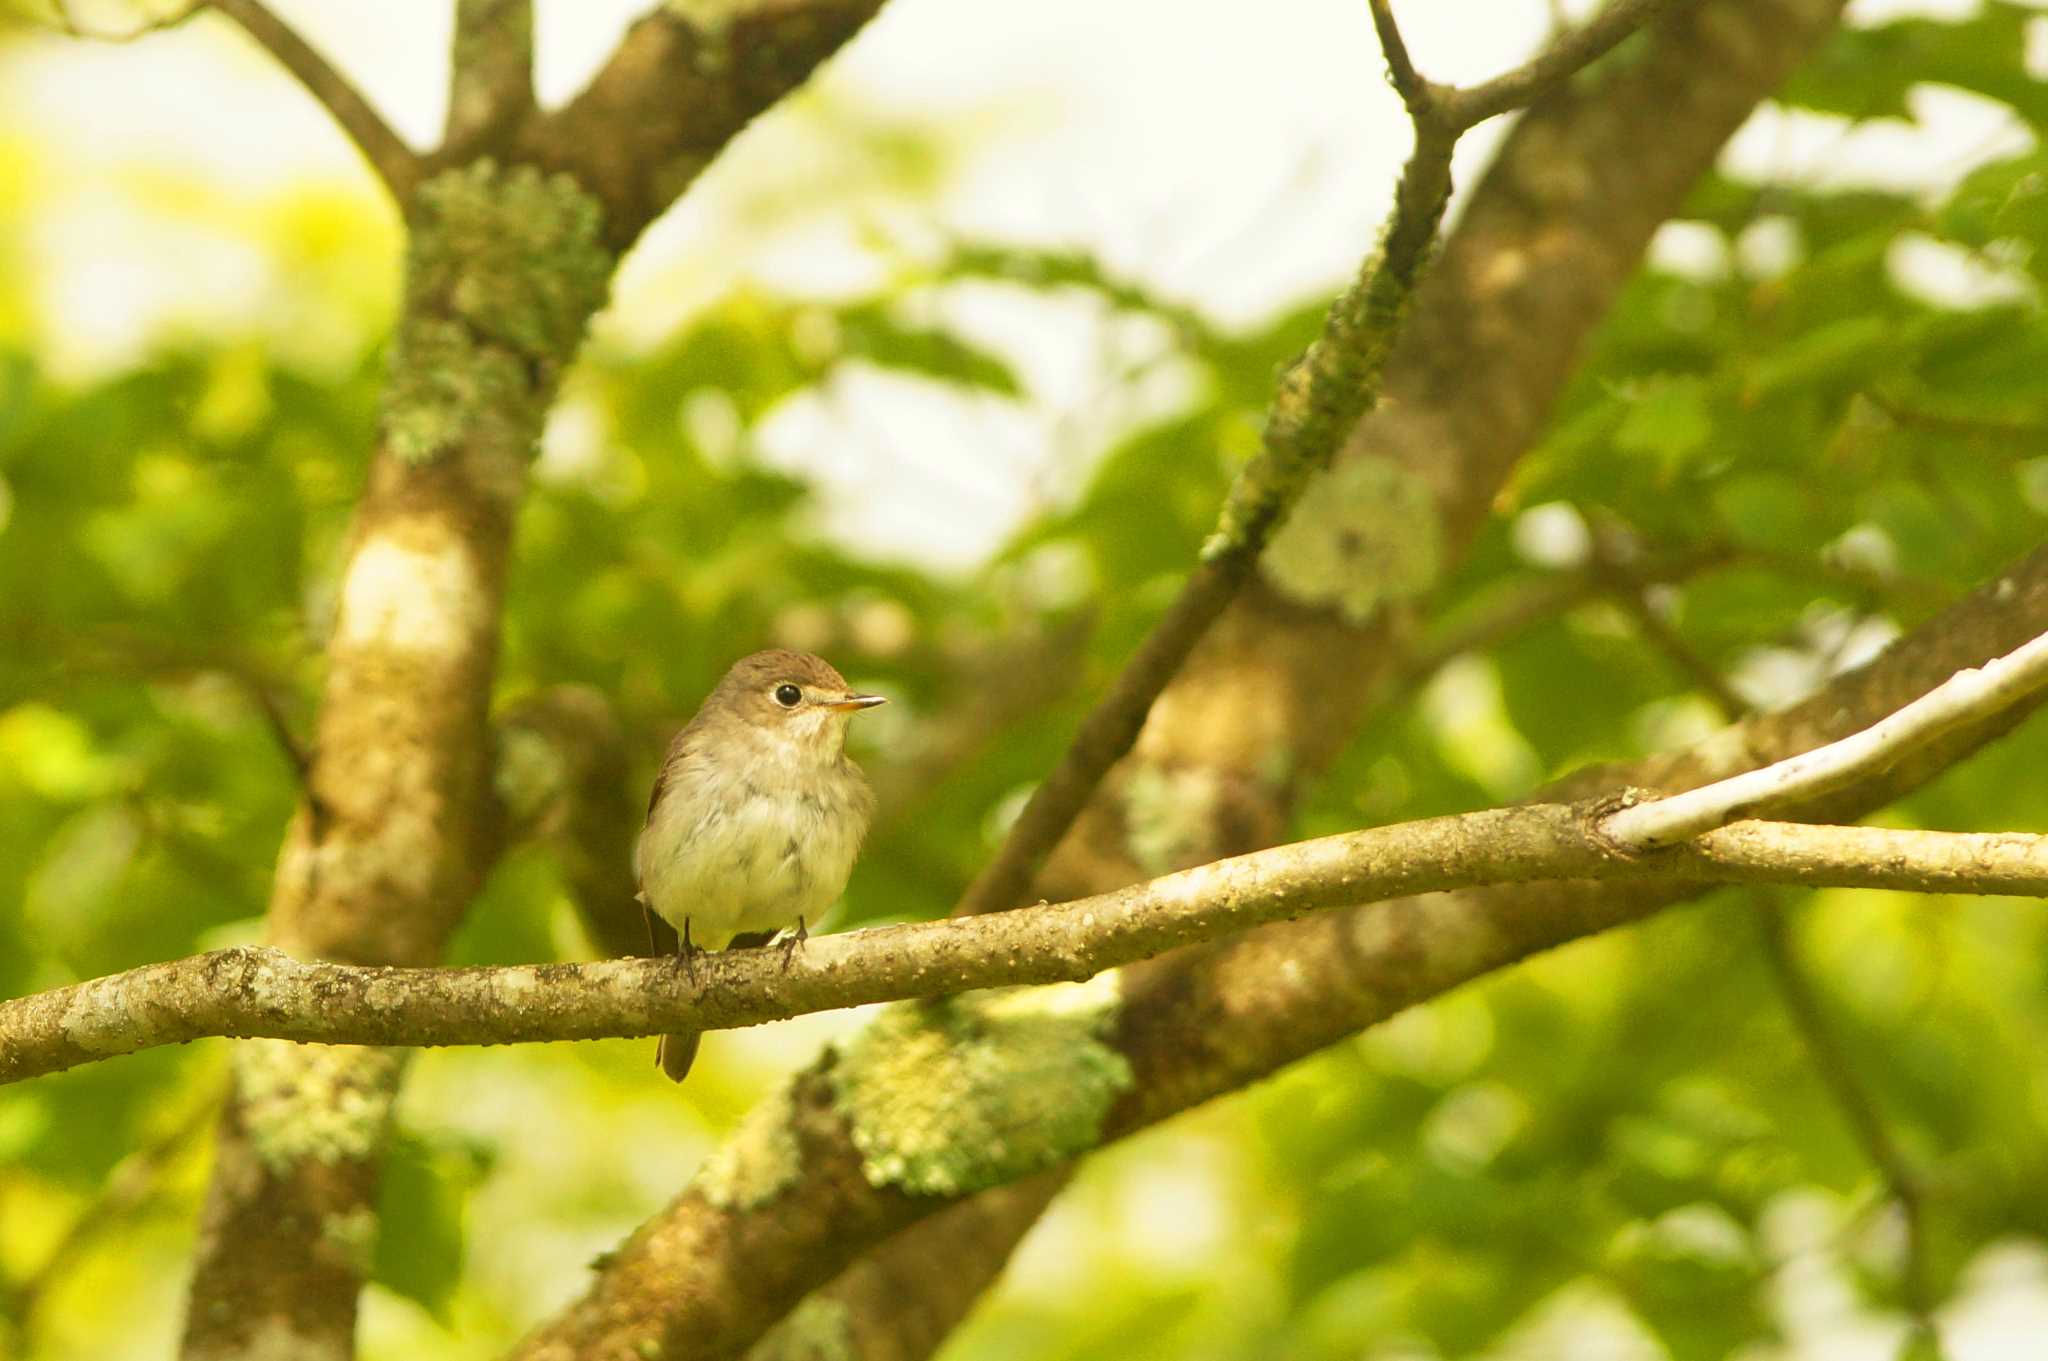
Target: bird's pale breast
{"points": [[750, 851]]}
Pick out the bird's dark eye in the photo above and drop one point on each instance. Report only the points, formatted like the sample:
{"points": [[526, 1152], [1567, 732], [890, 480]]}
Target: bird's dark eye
{"points": [[787, 695]]}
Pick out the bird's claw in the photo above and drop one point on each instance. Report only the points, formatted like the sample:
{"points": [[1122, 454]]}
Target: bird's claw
{"points": [[791, 941], [687, 950]]}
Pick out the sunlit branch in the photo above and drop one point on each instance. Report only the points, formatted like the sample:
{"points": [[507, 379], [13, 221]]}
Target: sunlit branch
{"points": [[1961, 699], [257, 991]]}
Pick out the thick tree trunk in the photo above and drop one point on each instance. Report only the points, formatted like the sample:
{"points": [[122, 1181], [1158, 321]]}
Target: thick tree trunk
{"points": [[399, 827]]}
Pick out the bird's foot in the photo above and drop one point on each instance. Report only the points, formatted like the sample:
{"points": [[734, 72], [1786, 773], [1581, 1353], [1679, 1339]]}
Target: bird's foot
{"points": [[687, 950], [791, 941]]}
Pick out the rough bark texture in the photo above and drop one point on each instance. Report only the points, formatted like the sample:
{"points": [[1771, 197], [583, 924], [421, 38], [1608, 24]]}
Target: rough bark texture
{"points": [[400, 819], [676, 91], [1544, 246], [260, 991], [1200, 1024]]}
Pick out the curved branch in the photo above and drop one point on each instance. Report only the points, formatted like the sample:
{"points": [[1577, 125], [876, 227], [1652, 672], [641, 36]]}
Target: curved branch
{"points": [[490, 75], [394, 162], [1961, 699], [1566, 54]]}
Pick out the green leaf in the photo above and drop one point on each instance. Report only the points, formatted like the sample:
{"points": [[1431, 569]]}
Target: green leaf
{"points": [[1668, 420], [424, 1192], [878, 336], [1837, 350]]}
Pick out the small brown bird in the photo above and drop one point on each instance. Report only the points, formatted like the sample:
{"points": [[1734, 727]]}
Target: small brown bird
{"points": [[756, 817]]}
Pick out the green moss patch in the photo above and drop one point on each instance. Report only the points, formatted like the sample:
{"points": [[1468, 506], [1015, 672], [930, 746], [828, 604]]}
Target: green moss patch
{"points": [[950, 1097]]}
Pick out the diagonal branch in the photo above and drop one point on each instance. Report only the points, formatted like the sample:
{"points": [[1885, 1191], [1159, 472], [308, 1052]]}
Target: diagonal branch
{"points": [[1318, 402], [1960, 700], [676, 91], [389, 156], [1569, 52], [706, 1275]]}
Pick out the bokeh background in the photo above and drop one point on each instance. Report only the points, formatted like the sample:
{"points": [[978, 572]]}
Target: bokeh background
{"points": [[942, 372]]}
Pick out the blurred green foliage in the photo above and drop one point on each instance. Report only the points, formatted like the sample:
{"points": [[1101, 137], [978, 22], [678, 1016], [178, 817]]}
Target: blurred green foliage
{"points": [[1799, 447]]}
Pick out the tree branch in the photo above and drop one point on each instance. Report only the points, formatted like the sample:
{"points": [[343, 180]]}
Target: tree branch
{"points": [[675, 92], [490, 76], [1319, 400], [257, 991], [392, 160], [1614, 549], [561, 780], [1960, 700], [1566, 54]]}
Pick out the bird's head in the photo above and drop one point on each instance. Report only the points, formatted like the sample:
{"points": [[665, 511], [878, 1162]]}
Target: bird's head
{"points": [[792, 701]]}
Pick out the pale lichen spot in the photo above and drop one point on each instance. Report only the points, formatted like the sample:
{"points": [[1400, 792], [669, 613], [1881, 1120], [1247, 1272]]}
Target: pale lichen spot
{"points": [[1168, 815], [1367, 533], [313, 1102], [954, 1096], [758, 1161], [272, 1339], [351, 1237], [416, 592], [819, 1329], [1504, 270], [95, 1020]]}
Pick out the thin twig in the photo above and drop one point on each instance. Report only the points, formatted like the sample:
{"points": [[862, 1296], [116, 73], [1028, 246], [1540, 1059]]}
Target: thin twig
{"points": [[1613, 550], [295, 752], [1417, 94], [1859, 1108], [1317, 402], [1571, 51], [1962, 698], [2027, 433], [392, 160]]}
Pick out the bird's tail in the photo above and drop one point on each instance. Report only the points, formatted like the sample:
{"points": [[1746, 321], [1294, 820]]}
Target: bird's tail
{"points": [[674, 1054]]}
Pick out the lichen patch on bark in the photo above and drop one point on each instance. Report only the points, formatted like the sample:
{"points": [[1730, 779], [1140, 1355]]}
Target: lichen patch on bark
{"points": [[1367, 533], [412, 587], [759, 1161], [319, 1102], [951, 1097]]}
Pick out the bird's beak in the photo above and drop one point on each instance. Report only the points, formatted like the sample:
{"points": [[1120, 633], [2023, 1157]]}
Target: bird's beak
{"points": [[855, 702]]}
